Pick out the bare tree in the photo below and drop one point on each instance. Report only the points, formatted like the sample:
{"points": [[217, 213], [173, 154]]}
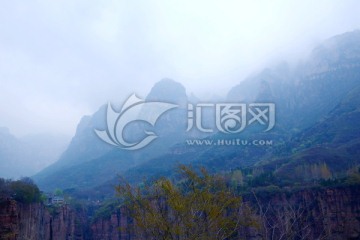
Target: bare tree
{"points": [[286, 218]]}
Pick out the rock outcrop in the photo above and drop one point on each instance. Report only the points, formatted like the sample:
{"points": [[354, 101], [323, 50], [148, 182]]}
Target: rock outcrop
{"points": [[329, 213], [323, 213], [34, 222]]}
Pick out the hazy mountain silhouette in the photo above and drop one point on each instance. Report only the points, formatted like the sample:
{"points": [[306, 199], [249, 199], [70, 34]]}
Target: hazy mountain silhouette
{"points": [[20, 157], [88, 160], [316, 109], [313, 107]]}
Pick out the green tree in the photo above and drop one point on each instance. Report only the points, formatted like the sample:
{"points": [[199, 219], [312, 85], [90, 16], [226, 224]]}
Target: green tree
{"points": [[199, 207], [25, 191], [58, 192]]}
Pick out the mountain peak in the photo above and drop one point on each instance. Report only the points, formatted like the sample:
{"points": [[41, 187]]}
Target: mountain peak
{"points": [[339, 52], [168, 90]]}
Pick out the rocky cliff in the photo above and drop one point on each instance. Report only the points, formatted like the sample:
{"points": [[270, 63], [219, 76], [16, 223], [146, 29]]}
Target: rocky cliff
{"points": [[34, 222], [331, 213], [114, 227], [322, 213]]}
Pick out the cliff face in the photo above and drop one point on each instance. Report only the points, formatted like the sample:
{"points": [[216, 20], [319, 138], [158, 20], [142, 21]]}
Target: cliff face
{"points": [[114, 227], [8, 220], [34, 222], [331, 213]]}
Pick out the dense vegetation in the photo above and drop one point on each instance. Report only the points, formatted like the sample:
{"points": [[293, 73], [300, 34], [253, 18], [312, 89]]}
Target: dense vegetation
{"points": [[200, 206], [23, 190]]}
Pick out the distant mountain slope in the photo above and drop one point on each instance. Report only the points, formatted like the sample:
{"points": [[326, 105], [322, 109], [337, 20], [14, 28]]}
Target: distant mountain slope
{"points": [[84, 146], [88, 160], [316, 121], [305, 94], [45, 149], [313, 107], [20, 157], [334, 141], [11, 155]]}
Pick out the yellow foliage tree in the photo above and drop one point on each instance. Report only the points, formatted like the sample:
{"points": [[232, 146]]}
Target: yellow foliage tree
{"points": [[201, 206]]}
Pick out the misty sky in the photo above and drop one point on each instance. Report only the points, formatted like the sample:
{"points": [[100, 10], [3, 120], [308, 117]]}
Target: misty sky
{"points": [[60, 60]]}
